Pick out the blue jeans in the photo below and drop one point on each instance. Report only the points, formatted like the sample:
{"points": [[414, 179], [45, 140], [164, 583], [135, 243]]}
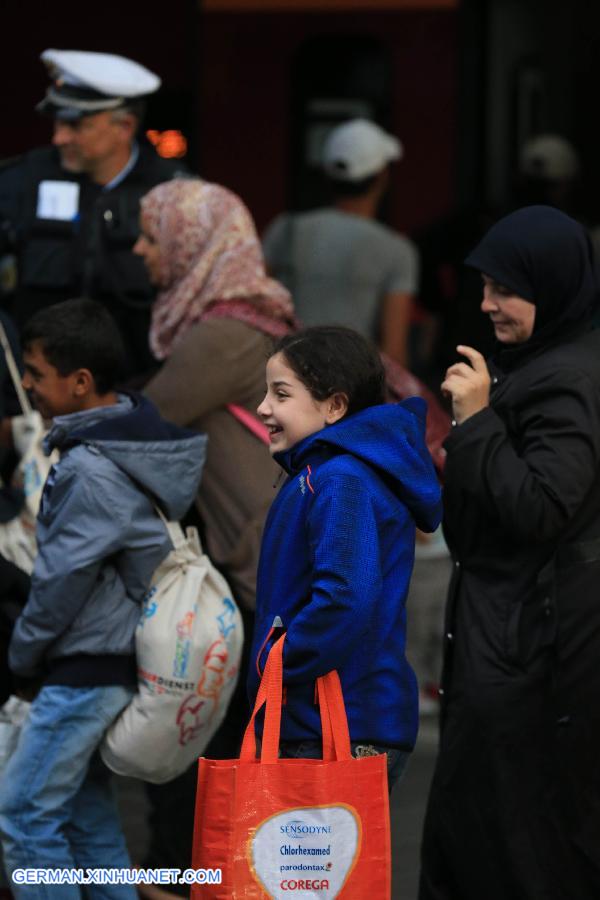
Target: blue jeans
{"points": [[57, 804], [396, 759]]}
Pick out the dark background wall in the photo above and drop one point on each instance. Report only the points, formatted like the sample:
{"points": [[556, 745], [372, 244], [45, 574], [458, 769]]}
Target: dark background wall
{"points": [[458, 81], [246, 103], [540, 70], [142, 30], [228, 84]]}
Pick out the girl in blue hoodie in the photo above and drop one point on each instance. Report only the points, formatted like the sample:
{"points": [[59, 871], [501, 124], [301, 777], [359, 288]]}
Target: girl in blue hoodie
{"points": [[338, 546]]}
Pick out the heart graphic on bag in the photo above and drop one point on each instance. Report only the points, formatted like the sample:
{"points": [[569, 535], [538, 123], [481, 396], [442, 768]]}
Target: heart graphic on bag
{"points": [[309, 850]]}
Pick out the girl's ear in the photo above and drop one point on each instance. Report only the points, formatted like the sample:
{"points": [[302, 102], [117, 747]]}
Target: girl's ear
{"points": [[337, 407]]}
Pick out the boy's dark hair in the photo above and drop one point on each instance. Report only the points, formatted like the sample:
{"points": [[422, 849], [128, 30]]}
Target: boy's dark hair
{"points": [[330, 359], [79, 334]]}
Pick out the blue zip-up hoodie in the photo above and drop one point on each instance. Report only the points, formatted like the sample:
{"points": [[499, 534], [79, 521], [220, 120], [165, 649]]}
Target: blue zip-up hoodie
{"points": [[100, 539], [335, 565]]}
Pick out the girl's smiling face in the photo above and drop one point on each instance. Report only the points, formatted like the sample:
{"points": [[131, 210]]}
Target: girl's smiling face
{"points": [[289, 410]]}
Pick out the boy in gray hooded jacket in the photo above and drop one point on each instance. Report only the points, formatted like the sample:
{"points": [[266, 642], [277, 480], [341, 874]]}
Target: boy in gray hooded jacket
{"points": [[99, 541]]}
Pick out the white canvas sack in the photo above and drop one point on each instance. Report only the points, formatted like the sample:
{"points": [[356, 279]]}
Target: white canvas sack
{"points": [[17, 543], [17, 537], [189, 646], [33, 467]]}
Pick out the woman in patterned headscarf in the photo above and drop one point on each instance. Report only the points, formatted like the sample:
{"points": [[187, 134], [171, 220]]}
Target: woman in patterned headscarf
{"points": [[201, 249], [213, 324]]}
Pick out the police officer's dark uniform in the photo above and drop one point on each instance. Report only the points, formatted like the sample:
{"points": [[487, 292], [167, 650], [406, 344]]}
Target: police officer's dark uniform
{"points": [[73, 237]]}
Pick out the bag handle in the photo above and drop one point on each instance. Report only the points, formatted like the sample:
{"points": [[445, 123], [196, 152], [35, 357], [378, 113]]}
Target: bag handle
{"points": [[250, 422], [14, 372], [270, 695], [336, 737], [334, 722]]}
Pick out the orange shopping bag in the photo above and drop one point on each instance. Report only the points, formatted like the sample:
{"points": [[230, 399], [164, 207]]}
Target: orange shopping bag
{"points": [[302, 828]]}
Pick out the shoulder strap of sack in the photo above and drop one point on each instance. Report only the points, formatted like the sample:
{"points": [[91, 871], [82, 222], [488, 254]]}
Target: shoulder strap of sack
{"points": [[14, 372], [174, 529]]}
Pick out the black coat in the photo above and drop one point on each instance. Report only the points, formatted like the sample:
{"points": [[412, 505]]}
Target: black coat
{"points": [[514, 810]]}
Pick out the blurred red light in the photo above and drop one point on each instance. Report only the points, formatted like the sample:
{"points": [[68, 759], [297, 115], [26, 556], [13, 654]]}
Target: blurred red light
{"points": [[169, 144]]}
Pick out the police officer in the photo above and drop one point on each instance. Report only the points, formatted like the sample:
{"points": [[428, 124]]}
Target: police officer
{"points": [[70, 212]]}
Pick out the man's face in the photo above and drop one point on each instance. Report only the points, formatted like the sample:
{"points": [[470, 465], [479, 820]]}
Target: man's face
{"points": [[52, 394], [86, 143]]}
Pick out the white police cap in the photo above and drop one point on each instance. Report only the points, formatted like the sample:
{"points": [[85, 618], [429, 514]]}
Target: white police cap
{"points": [[85, 82], [359, 149]]}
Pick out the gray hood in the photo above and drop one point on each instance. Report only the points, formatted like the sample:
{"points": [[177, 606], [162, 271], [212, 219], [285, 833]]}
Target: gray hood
{"points": [[164, 460]]}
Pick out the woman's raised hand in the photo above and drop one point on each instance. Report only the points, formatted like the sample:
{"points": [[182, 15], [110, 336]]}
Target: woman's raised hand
{"points": [[468, 384]]}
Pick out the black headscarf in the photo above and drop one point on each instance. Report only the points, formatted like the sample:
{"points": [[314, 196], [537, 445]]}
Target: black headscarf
{"points": [[545, 257]]}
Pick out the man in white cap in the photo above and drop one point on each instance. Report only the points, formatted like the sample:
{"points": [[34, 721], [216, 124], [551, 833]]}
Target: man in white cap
{"points": [[70, 212], [548, 172], [339, 263]]}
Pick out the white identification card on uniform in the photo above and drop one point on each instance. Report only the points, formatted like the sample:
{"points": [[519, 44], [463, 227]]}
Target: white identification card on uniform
{"points": [[58, 200]]}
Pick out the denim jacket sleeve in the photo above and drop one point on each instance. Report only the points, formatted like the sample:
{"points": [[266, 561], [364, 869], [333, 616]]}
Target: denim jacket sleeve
{"points": [[82, 522]]}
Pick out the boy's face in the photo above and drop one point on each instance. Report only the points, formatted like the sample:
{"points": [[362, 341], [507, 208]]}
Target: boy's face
{"points": [[52, 394]]}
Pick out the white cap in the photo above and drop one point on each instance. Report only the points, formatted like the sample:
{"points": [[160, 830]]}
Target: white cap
{"points": [[87, 82], [358, 149], [548, 156]]}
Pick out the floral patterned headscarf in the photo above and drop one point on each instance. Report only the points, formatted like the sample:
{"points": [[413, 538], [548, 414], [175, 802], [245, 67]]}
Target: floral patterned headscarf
{"points": [[211, 263]]}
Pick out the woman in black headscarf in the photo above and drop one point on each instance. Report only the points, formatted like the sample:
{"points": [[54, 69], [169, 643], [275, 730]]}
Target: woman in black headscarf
{"points": [[514, 809]]}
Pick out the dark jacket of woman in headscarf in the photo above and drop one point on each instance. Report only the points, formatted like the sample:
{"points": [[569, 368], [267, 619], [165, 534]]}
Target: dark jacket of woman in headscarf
{"points": [[514, 809]]}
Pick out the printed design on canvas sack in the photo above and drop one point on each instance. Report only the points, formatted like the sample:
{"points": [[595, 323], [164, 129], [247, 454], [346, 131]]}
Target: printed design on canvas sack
{"points": [[32, 479], [307, 850], [227, 618], [197, 709], [193, 716], [158, 684], [183, 643], [149, 607]]}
